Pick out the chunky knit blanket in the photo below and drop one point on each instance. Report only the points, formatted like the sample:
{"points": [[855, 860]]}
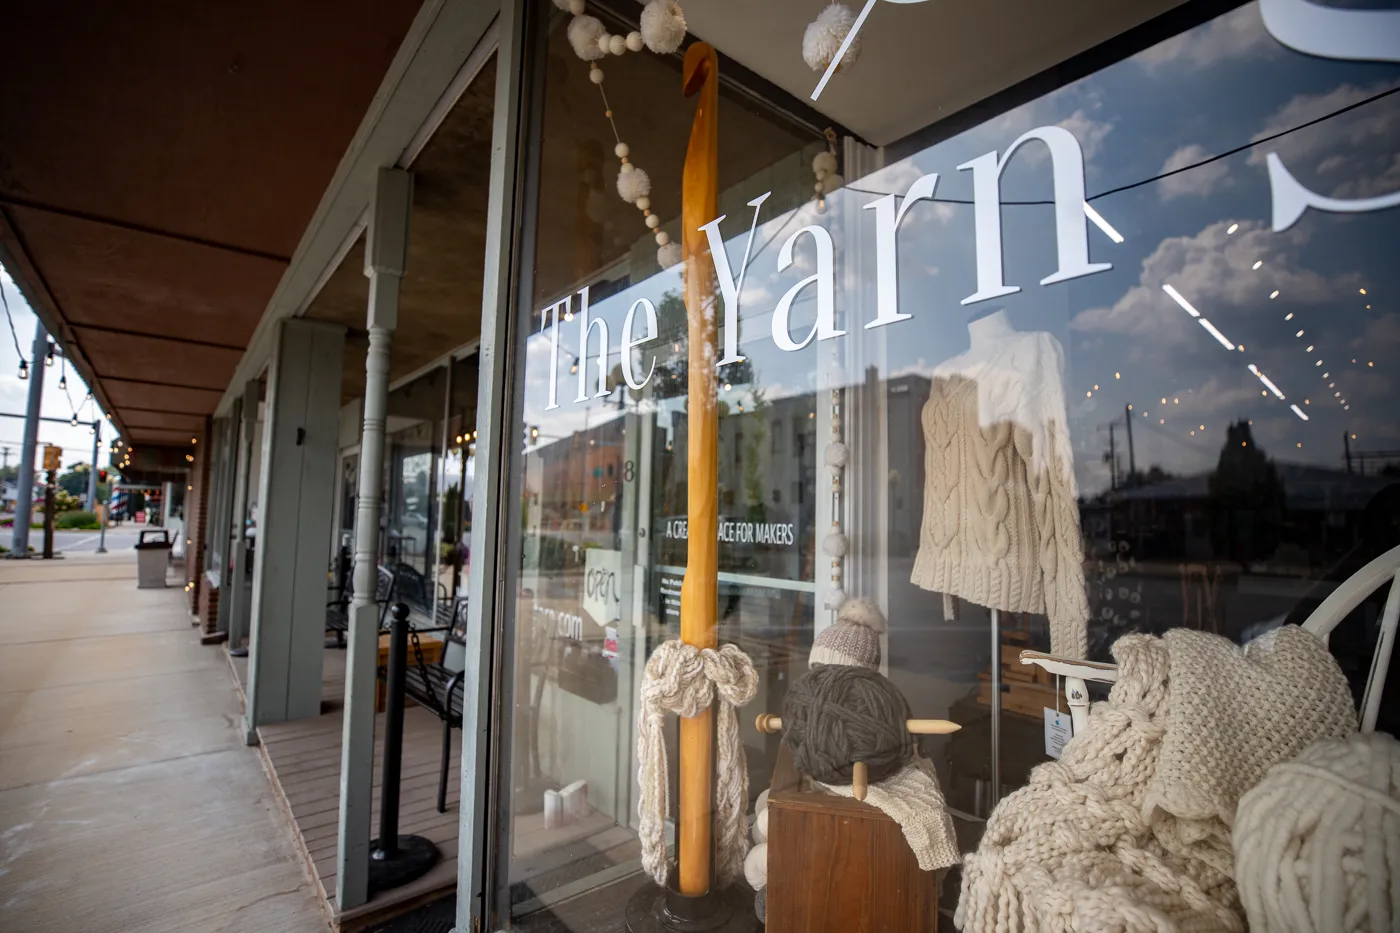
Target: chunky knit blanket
{"points": [[1129, 832]]}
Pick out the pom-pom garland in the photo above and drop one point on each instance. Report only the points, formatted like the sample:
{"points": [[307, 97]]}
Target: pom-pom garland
{"points": [[584, 33], [663, 29], [834, 598], [837, 454], [663, 26], [824, 36], [824, 164], [669, 255], [633, 183], [835, 544]]}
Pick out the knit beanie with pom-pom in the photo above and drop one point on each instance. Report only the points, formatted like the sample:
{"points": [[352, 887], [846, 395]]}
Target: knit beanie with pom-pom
{"points": [[853, 639]]}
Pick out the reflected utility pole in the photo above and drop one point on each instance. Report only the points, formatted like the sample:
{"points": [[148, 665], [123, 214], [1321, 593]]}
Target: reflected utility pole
{"points": [[24, 483], [1132, 459]]}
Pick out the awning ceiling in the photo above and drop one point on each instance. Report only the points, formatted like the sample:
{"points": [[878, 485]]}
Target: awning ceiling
{"points": [[159, 163]]}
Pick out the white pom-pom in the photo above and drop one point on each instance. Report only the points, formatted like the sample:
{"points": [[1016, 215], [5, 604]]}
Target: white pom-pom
{"points": [[668, 255], [662, 238], [824, 36], [762, 804], [621, 150], [643, 203], [617, 45], [653, 221], [632, 183], [575, 7], [756, 867], [831, 182], [562, 4], [837, 454], [760, 826], [835, 544], [834, 598], [862, 612], [584, 32], [663, 26], [824, 163], [596, 75]]}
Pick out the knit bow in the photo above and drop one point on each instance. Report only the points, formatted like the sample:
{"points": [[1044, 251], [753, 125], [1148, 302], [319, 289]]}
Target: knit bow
{"points": [[683, 679]]}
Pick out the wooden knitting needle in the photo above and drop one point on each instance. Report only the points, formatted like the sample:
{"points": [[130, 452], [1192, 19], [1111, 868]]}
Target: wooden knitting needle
{"points": [[767, 722], [860, 780]]}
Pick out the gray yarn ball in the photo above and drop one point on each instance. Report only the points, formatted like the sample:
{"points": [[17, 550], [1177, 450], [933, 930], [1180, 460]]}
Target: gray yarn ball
{"points": [[760, 905], [834, 716]]}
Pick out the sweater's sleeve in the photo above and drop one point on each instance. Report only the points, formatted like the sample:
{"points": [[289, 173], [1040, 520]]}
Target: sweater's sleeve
{"points": [[1057, 515]]}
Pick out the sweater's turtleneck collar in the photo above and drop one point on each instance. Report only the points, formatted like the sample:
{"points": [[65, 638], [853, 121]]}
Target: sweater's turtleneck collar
{"points": [[984, 331]]}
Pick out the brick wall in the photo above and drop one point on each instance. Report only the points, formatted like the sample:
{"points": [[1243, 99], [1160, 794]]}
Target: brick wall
{"points": [[196, 523]]}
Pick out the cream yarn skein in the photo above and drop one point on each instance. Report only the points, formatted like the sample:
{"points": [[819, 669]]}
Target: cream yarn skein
{"points": [[1317, 841]]}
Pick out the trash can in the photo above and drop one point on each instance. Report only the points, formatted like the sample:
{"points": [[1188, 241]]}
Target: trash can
{"points": [[152, 557]]}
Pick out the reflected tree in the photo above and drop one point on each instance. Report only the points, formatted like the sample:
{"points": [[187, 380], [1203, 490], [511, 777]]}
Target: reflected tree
{"points": [[1246, 499]]}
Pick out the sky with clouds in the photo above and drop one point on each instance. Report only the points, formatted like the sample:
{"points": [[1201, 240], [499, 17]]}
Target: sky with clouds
{"points": [[1205, 231], [14, 393]]}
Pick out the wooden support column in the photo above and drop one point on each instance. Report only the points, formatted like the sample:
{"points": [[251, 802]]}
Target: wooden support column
{"points": [[296, 507], [700, 591], [238, 595], [386, 247]]}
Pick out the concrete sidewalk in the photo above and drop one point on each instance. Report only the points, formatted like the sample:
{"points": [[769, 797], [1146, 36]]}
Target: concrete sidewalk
{"points": [[127, 800]]}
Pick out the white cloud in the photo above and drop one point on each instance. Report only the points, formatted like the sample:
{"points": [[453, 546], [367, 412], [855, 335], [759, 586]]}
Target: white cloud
{"points": [[1213, 270], [1354, 155], [1236, 35], [1197, 182]]}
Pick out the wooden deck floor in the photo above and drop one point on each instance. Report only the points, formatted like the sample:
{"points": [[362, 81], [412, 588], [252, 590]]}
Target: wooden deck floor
{"points": [[128, 800], [303, 759]]}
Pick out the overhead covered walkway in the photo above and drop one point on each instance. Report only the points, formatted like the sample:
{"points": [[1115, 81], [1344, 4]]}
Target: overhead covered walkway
{"points": [[128, 800]]}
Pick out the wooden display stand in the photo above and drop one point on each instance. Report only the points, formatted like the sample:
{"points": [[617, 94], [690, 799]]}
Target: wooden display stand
{"points": [[432, 653], [836, 865]]}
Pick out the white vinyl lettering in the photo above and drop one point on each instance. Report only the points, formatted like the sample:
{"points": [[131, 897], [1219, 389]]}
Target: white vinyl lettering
{"points": [[1071, 229], [630, 343], [729, 289], [585, 327], [824, 278], [887, 219]]}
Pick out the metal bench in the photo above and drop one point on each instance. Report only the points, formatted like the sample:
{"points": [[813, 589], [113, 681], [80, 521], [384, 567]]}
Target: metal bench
{"points": [[436, 687], [338, 610]]}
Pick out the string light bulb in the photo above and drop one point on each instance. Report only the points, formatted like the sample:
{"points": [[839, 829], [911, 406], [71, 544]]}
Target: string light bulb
{"points": [[23, 370]]}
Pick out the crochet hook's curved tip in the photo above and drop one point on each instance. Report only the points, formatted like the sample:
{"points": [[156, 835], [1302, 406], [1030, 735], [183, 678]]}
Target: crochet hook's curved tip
{"points": [[700, 62]]}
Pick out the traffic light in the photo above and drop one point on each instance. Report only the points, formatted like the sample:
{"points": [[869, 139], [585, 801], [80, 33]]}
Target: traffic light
{"points": [[102, 476]]}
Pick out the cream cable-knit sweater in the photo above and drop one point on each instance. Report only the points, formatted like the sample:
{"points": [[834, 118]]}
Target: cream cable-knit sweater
{"points": [[1129, 832], [1001, 519]]}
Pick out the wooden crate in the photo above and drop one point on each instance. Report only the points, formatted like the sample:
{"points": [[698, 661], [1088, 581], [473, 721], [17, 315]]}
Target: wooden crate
{"points": [[836, 865]]}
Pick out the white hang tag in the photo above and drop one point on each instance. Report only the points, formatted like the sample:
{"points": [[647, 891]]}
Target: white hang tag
{"points": [[1059, 729]]}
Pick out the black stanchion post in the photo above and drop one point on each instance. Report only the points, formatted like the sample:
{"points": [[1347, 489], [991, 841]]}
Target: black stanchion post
{"points": [[396, 860]]}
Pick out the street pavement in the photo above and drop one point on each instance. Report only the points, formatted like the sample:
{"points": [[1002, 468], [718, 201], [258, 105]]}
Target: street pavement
{"points": [[119, 539]]}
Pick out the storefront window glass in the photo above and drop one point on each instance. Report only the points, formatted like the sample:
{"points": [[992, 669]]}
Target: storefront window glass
{"points": [[414, 442], [1111, 357]]}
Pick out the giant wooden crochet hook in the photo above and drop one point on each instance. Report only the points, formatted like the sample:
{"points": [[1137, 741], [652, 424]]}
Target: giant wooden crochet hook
{"points": [[700, 590]]}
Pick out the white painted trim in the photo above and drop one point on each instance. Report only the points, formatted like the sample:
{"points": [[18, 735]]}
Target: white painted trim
{"points": [[480, 55], [341, 252]]}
